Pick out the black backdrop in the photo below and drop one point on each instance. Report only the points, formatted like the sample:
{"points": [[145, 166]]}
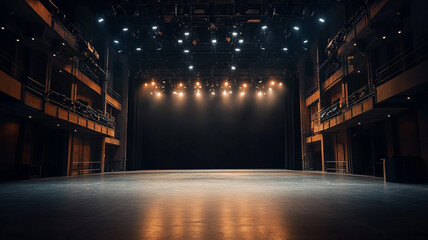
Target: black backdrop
{"points": [[213, 132]]}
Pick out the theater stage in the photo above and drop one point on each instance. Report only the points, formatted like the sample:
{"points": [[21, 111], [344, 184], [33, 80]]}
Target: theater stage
{"points": [[213, 204]]}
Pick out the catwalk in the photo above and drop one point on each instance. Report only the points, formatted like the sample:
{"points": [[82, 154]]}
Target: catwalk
{"points": [[213, 204]]}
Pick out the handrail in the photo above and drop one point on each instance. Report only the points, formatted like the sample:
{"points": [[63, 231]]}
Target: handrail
{"points": [[10, 66], [401, 62], [35, 86], [114, 94], [311, 90]]}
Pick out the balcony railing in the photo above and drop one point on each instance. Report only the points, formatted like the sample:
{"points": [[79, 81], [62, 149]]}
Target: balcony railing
{"points": [[114, 94], [35, 87], [93, 71], [330, 66], [311, 90], [401, 63], [79, 107], [339, 106], [86, 167], [10, 66], [336, 42]]}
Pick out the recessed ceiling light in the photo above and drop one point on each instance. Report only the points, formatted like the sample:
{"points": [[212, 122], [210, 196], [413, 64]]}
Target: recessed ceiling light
{"points": [[305, 41], [17, 39], [264, 27], [155, 27], [101, 20], [321, 20], [399, 32], [138, 49], [214, 41], [285, 49], [241, 41], [186, 50], [296, 28], [237, 49], [125, 29], [186, 33], [32, 39], [383, 37], [191, 67], [234, 34], [3, 28], [180, 41], [233, 67], [116, 41]]}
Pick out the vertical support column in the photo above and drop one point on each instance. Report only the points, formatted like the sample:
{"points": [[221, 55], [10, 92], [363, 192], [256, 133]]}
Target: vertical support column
{"points": [[48, 74], [74, 80], [103, 154], [70, 153], [322, 153]]}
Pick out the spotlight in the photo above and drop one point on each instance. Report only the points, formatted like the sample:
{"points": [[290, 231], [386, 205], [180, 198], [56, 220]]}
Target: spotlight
{"points": [[272, 83], [270, 89], [224, 92], [197, 83], [230, 92], [30, 117], [383, 37], [305, 41], [355, 44], [153, 83], [3, 28], [191, 67], [198, 94], [244, 85], [241, 41], [242, 93], [280, 84], [237, 49], [57, 125], [408, 98], [125, 29], [389, 115], [212, 93], [321, 20], [186, 33], [399, 32], [158, 94], [145, 84], [119, 51], [234, 34], [75, 130], [359, 123], [63, 43], [180, 41], [260, 93], [138, 49], [17, 39], [116, 41], [296, 28], [54, 55], [214, 41], [233, 67], [264, 27], [32, 39], [226, 83], [180, 94], [175, 93], [155, 27], [180, 85], [186, 50], [100, 20], [285, 49]]}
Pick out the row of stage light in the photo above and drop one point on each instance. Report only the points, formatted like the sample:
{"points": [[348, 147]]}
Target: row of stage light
{"points": [[180, 89]]}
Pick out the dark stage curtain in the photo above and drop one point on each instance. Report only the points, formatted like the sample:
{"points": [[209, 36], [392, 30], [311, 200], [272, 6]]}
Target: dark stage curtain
{"points": [[214, 132]]}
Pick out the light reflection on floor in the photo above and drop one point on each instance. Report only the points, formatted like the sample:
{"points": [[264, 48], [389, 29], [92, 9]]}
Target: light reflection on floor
{"points": [[216, 204]]}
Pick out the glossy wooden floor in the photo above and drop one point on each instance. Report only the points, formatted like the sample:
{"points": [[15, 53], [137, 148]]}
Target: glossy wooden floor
{"points": [[253, 204]]}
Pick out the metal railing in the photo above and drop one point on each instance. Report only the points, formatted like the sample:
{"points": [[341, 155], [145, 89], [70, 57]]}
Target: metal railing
{"points": [[339, 106], [330, 66], [35, 87], [10, 66], [401, 63], [93, 71], [114, 94], [86, 167], [338, 40], [311, 90]]}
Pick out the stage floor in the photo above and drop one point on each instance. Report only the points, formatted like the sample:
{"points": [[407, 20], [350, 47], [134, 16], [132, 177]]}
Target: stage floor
{"points": [[213, 204]]}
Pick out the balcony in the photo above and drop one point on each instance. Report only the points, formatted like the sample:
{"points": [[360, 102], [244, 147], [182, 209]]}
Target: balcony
{"points": [[358, 102], [113, 98], [405, 71], [11, 73], [92, 71], [312, 94]]}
